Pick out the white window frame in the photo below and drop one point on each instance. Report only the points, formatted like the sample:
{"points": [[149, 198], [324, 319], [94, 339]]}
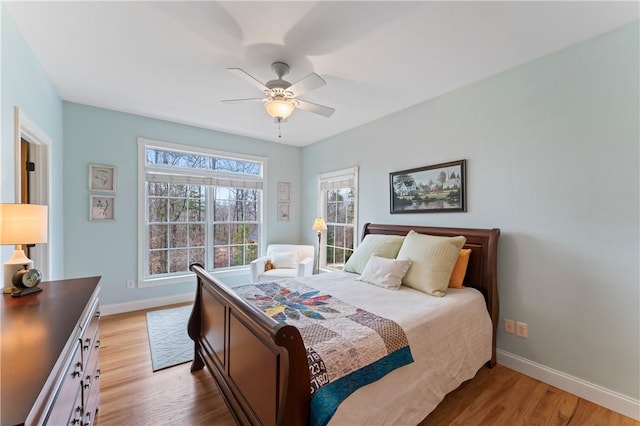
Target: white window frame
{"points": [[213, 177], [336, 178]]}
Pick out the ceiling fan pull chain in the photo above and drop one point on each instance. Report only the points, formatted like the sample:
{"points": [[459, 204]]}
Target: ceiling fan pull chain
{"points": [[278, 120]]}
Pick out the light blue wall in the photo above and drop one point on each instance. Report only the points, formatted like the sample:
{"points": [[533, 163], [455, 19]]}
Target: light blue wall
{"points": [[95, 135], [552, 151], [25, 85]]}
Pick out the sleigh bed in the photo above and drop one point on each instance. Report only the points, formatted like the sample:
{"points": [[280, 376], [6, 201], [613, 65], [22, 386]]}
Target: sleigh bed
{"points": [[261, 367]]}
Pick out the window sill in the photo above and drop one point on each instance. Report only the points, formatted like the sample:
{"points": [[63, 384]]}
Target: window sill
{"points": [[189, 277]]}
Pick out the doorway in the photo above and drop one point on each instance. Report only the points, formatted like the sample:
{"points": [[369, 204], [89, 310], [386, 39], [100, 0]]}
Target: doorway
{"points": [[32, 147]]}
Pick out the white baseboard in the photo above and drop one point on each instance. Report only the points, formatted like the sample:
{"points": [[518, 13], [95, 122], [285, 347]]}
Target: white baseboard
{"points": [[118, 308], [597, 394]]}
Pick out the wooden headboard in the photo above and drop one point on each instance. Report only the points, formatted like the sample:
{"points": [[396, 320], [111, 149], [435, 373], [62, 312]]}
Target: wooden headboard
{"points": [[482, 269], [260, 365]]}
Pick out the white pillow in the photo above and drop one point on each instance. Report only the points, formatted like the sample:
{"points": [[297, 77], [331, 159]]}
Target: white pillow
{"points": [[382, 245], [433, 261], [284, 259], [383, 272]]}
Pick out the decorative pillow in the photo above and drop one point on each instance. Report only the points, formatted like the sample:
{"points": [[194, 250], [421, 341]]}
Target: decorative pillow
{"points": [[382, 245], [383, 272], [460, 269], [433, 259], [285, 259]]}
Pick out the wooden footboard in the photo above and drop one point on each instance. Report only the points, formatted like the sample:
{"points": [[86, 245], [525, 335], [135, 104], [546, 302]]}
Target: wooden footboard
{"points": [[259, 365]]}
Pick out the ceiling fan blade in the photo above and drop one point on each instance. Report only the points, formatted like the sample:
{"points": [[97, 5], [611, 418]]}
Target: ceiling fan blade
{"points": [[309, 82], [248, 78], [235, 101], [325, 111]]}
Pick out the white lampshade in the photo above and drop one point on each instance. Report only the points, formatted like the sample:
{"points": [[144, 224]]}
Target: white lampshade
{"points": [[23, 224], [279, 108], [319, 225]]}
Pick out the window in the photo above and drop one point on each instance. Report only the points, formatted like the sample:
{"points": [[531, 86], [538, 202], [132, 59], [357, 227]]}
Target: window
{"points": [[339, 209], [197, 206]]}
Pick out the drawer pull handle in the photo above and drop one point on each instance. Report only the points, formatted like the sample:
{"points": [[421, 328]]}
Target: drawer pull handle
{"points": [[97, 314], [77, 370], [97, 344]]}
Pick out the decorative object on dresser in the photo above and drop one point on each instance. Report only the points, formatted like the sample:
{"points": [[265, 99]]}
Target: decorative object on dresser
{"points": [[50, 355], [26, 281], [431, 189], [21, 224], [318, 225]]}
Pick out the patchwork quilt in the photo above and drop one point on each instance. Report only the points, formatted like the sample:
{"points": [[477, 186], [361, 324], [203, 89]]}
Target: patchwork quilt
{"points": [[347, 347]]}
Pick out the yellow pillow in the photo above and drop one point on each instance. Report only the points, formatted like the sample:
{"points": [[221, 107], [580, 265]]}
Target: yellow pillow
{"points": [[433, 259], [382, 245], [460, 269]]}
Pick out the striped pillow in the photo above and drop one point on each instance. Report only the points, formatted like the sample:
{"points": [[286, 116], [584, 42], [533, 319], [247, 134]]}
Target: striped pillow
{"points": [[433, 259], [382, 245]]}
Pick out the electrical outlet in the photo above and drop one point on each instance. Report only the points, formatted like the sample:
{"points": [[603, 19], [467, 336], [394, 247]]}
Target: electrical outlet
{"points": [[131, 283], [509, 326], [521, 329]]}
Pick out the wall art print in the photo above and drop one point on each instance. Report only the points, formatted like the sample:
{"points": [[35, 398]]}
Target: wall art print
{"points": [[432, 189], [102, 178], [102, 207]]}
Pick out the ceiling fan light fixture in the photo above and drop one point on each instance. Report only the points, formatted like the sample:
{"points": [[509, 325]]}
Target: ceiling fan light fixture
{"points": [[279, 109]]}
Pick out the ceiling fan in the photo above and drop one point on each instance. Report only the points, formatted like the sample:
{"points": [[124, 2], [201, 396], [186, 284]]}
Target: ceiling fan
{"points": [[281, 97]]}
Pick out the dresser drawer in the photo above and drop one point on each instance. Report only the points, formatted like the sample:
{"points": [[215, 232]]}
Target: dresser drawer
{"points": [[90, 330], [93, 401], [69, 396]]}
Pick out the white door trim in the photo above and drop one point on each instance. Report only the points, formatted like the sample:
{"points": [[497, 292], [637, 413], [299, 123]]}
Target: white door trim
{"points": [[40, 150]]}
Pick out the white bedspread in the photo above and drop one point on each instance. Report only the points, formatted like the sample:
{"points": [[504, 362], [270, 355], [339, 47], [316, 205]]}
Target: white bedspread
{"points": [[450, 340]]}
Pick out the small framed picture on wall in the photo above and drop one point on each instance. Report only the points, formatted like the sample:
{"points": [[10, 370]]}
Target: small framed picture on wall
{"points": [[102, 207], [102, 178], [284, 192], [283, 211]]}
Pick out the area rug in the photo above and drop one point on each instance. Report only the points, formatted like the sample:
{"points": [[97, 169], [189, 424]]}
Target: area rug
{"points": [[168, 339]]}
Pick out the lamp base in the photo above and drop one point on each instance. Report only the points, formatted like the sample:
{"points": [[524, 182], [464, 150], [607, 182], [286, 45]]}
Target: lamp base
{"points": [[11, 266]]}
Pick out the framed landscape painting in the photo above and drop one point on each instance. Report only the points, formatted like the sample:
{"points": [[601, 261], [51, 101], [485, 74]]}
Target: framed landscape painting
{"points": [[431, 189]]}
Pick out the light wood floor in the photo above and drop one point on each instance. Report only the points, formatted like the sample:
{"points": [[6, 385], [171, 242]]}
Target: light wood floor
{"points": [[131, 394]]}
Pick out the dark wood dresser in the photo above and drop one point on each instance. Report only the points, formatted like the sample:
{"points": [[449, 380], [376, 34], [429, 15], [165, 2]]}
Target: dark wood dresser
{"points": [[49, 355]]}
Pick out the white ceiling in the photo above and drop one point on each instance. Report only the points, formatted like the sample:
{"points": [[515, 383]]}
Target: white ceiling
{"points": [[168, 60]]}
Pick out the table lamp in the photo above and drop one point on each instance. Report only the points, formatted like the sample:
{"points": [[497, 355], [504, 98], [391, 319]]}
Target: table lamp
{"points": [[21, 224], [318, 226]]}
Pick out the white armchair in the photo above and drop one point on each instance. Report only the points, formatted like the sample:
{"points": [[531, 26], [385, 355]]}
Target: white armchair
{"points": [[290, 260]]}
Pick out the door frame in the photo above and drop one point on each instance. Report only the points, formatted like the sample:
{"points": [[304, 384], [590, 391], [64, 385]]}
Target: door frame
{"points": [[40, 189]]}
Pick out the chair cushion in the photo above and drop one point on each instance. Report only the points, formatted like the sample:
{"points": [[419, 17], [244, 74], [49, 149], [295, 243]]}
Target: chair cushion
{"points": [[277, 273]]}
